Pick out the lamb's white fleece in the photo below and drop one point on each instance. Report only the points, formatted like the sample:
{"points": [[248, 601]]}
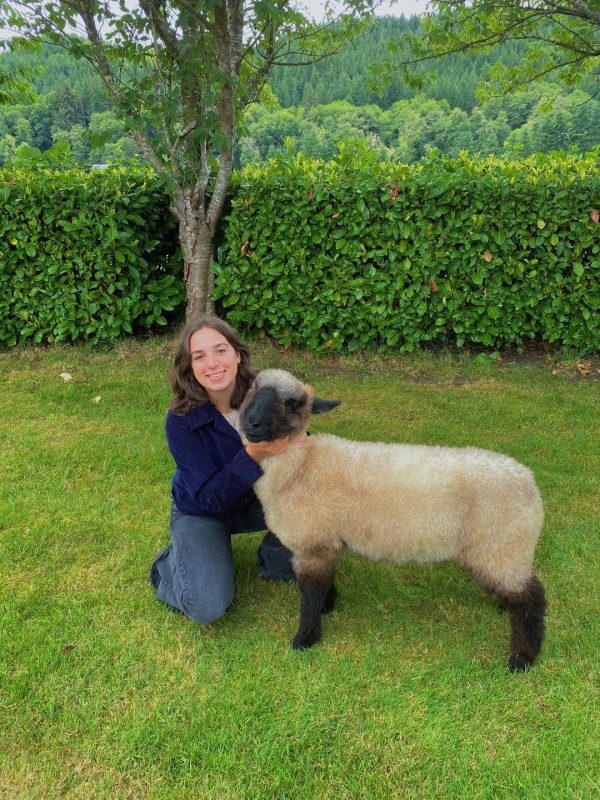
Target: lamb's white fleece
{"points": [[405, 503]]}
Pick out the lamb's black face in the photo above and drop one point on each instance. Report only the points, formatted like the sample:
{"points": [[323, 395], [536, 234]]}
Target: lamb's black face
{"points": [[279, 405], [266, 415]]}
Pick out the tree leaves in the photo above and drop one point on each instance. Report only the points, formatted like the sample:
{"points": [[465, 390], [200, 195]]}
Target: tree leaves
{"points": [[563, 39]]}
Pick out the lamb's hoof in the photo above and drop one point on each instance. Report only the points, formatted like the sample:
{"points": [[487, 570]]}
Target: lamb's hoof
{"points": [[519, 664], [329, 600], [302, 641]]}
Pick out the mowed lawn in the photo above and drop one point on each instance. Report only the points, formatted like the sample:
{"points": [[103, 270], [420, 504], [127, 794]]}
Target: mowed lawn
{"points": [[105, 693]]}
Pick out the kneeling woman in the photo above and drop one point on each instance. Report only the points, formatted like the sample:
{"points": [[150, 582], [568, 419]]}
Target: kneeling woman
{"points": [[212, 486]]}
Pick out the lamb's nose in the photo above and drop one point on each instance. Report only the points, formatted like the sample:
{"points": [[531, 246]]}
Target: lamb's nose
{"points": [[255, 429]]}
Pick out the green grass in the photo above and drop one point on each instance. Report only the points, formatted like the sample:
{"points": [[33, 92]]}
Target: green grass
{"points": [[105, 693]]}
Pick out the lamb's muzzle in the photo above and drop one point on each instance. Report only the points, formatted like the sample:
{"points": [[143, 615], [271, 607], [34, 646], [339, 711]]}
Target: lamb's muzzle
{"points": [[259, 417], [401, 503]]}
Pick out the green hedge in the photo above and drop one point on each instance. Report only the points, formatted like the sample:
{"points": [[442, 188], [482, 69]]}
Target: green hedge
{"points": [[354, 253], [85, 255]]}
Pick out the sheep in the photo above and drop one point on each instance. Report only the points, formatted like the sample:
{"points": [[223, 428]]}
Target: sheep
{"points": [[394, 502]]}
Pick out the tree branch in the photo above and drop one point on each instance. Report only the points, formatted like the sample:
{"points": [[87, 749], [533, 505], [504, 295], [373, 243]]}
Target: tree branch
{"points": [[228, 36], [152, 10], [86, 12], [556, 43], [546, 71], [578, 9]]}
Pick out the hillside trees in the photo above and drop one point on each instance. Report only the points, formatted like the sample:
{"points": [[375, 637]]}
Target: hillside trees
{"points": [[511, 127], [318, 125], [180, 75], [572, 124], [401, 124], [66, 92]]}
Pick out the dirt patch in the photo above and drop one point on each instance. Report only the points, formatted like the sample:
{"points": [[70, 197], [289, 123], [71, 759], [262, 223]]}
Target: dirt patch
{"points": [[538, 354], [588, 370]]}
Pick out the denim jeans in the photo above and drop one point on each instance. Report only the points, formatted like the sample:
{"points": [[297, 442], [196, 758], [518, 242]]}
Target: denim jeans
{"points": [[196, 569]]}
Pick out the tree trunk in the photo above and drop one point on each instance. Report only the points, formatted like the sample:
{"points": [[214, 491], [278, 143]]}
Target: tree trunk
{"points": [[197, 250]]}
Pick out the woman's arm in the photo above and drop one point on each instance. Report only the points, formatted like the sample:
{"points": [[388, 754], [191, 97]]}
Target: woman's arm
{"points": [[209, 486]]}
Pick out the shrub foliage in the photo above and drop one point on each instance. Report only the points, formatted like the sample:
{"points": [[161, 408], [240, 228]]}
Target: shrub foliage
{"points": [[354, 253], [85, 255]]}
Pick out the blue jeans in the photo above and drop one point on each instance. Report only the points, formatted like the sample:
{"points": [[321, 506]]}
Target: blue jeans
{"points": [[196, 569]]}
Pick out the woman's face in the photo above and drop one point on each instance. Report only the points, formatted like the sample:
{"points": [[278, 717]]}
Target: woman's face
{"points": [[214, 364]]}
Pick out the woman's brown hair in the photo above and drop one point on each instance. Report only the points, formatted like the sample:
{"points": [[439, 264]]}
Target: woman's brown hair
{"points": [[188, 392]]}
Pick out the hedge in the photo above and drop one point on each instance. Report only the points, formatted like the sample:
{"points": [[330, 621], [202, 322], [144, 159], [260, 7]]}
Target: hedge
{"points": [[355, 253], [85, 255]]}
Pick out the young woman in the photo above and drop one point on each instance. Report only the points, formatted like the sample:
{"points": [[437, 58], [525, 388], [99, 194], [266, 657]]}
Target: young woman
{"points": [[212, 485]]}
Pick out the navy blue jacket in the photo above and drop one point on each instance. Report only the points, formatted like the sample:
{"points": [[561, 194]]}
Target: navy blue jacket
{"points": [[214, 474]]}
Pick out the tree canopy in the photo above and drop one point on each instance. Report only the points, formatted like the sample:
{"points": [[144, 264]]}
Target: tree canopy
{"points": [[562, 38]]}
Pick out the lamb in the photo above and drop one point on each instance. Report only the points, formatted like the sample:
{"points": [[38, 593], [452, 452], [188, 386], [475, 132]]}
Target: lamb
{"points": [[394, 502]]}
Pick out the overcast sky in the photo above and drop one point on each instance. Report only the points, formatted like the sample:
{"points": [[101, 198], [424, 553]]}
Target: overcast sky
{"points": [[406, 7], [315, 8]]}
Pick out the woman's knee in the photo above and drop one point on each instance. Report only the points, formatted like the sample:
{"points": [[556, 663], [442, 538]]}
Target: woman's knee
{"points": [[205, 609], [202, 567]]}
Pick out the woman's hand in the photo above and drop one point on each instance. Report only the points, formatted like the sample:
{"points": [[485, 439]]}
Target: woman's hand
{"points": [[260, 450]]}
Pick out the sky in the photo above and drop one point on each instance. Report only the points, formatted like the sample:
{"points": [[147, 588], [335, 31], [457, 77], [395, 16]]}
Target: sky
{"points": [[406, 7], [315, 8]]}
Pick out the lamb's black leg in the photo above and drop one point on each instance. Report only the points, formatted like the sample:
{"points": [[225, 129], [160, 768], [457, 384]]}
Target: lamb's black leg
{"points": [[526, 610], [317, 596]]}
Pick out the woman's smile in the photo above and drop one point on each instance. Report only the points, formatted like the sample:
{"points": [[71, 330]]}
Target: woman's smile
{"points": [[216, 376]]}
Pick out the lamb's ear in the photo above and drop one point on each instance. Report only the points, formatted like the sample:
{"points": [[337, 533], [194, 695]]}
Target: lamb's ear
{"points": [[320, 406]]}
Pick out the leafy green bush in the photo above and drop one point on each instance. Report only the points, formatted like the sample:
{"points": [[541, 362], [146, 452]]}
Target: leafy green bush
{"points": [[354, 253], [85, 255]]}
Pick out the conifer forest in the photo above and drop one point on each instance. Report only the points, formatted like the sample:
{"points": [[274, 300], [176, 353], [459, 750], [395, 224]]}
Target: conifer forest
{"points": [[314, 108]]}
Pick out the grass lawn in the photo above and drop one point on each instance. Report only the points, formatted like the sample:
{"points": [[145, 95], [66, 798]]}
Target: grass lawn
{"points": [[105, 693]]}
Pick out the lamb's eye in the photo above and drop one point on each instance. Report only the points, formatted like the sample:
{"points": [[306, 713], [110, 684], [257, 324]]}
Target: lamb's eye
{"points": [[292, 405]]}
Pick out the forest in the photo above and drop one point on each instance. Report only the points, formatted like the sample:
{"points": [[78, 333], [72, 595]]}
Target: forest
{"points": [[312, 109]]}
